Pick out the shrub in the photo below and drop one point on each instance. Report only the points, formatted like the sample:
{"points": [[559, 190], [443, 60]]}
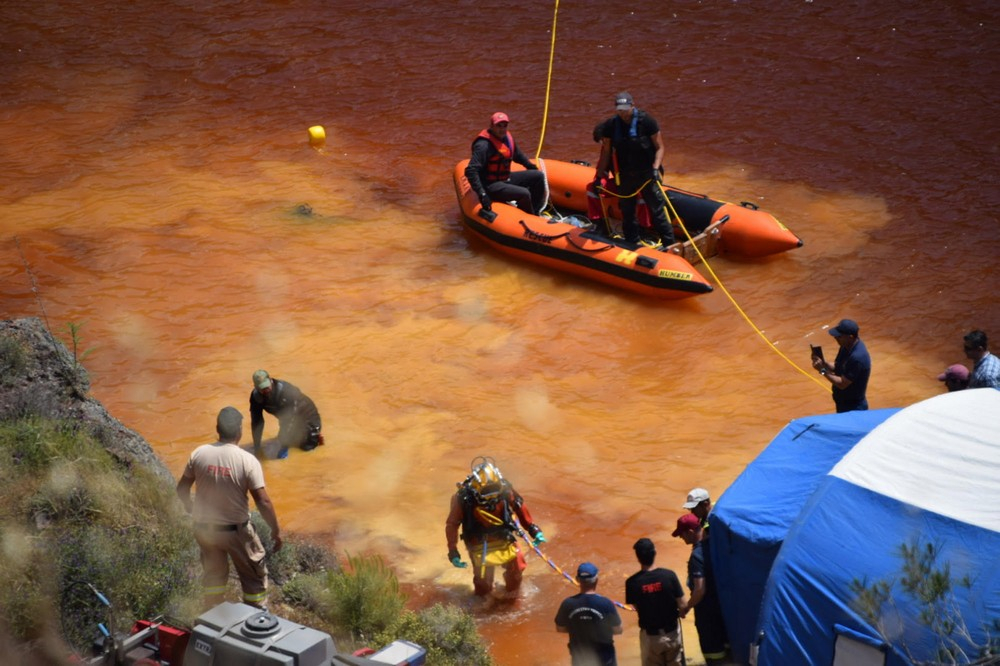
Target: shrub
{"points": [[14, 358], [366, 599], [88, 524], [447, 633]]}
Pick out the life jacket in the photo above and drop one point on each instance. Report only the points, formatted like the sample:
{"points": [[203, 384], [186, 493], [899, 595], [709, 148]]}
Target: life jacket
{"points": [[634, 149], [498, 162], [494, 521]]}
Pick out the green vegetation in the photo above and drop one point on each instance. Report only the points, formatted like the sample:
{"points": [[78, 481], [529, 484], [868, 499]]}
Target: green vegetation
{"points": [[72, 520], [931, 586], [74, 335], [14, 358], [447, 633]]}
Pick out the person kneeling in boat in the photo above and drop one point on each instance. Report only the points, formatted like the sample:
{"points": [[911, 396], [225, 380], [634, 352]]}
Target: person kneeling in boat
{"points": [[487, 507], [631, 141], [489, 172]]}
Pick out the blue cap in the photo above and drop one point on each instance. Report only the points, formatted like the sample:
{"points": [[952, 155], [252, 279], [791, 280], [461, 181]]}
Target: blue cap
{"points": [[845, 327], [586, 571]]}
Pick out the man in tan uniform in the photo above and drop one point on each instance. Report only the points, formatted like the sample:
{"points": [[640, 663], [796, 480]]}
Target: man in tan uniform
{"points": [[225, 473]]}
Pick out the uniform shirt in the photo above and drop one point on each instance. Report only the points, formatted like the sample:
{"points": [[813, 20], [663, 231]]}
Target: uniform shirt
{"points": [[986, 372], [590, 619], [223, 475], [854, 364], [700, 566], [654, 594]]}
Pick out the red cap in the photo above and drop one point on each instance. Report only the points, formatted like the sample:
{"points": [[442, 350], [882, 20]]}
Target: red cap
{"points": [[957, 371], [687, 523], [499, 117]]}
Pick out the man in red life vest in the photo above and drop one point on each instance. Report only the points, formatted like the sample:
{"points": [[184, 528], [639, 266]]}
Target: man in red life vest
{"points": [[486, 507], [489, 170]]}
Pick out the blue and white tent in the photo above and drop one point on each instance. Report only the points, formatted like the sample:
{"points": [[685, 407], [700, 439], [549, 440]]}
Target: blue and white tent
{"points": [[752, 518], [926, 479]]}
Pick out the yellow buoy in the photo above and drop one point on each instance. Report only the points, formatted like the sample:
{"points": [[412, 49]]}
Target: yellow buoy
{"points": [[317, 136]]}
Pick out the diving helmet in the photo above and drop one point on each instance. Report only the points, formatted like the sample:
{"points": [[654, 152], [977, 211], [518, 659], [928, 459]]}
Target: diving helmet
{"points": [[486, 481]]}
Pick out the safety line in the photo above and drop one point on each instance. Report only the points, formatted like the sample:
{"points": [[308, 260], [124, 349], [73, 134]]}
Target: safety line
{"points": [[555, 567], [732, 300], [548, 81]]}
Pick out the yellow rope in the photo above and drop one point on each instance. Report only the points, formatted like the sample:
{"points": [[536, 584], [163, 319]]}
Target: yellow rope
{"points": [[732, 300], [548, 81]]}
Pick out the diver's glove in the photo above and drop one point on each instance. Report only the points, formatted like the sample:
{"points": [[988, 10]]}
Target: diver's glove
{"points": [[538, 540], [456, 559]]}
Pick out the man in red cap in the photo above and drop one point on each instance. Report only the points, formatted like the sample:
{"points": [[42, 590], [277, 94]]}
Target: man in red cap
{"points": [[489, 172], [955, 377], [704, 598]]}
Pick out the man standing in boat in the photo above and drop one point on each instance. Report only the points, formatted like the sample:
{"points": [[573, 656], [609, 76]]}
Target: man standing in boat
{"points": [[631, 143], [489, 172], [490, 513]]}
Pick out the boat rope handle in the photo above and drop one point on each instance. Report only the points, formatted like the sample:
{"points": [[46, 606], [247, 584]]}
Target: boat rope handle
{"points": [[531, 234], [555, 567], [732, 300], [573, 242], [534, 235]]}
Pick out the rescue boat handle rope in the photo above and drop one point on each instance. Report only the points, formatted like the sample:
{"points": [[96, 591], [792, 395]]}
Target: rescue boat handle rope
{"points": [[531, 233], [555, 567]]}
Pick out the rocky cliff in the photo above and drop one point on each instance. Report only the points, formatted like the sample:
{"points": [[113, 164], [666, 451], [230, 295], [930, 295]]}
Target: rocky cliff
{"points": [[39, 376]]}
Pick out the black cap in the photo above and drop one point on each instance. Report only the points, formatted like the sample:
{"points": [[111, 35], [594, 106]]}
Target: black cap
{"points": [[623, 101]]}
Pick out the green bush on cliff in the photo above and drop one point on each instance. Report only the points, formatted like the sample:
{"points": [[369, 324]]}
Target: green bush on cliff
{"points": [[447, 633], [73, 520]]}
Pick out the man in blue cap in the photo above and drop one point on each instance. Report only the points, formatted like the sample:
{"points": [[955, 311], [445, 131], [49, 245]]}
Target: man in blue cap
{"points": [[851, 369], [591, 621]]}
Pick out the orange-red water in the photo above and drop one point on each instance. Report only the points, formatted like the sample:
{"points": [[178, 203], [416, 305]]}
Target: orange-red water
{"points": [[153, 155]]}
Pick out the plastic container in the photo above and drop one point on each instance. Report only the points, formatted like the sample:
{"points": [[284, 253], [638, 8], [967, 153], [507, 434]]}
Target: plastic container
{"points": [[400, 653]]}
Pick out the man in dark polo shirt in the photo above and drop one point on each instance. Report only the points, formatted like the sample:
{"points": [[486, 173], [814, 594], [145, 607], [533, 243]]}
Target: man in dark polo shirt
{"points": [[851, 369], [658, 598], [591, 620]]}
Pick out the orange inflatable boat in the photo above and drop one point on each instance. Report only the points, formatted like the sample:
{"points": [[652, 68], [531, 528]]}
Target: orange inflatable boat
{"points": [[574, 244]]}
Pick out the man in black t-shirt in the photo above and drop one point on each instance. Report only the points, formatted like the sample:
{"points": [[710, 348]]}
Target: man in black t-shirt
{"points": [[632, 147], [591, 621], [658, 598]]}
